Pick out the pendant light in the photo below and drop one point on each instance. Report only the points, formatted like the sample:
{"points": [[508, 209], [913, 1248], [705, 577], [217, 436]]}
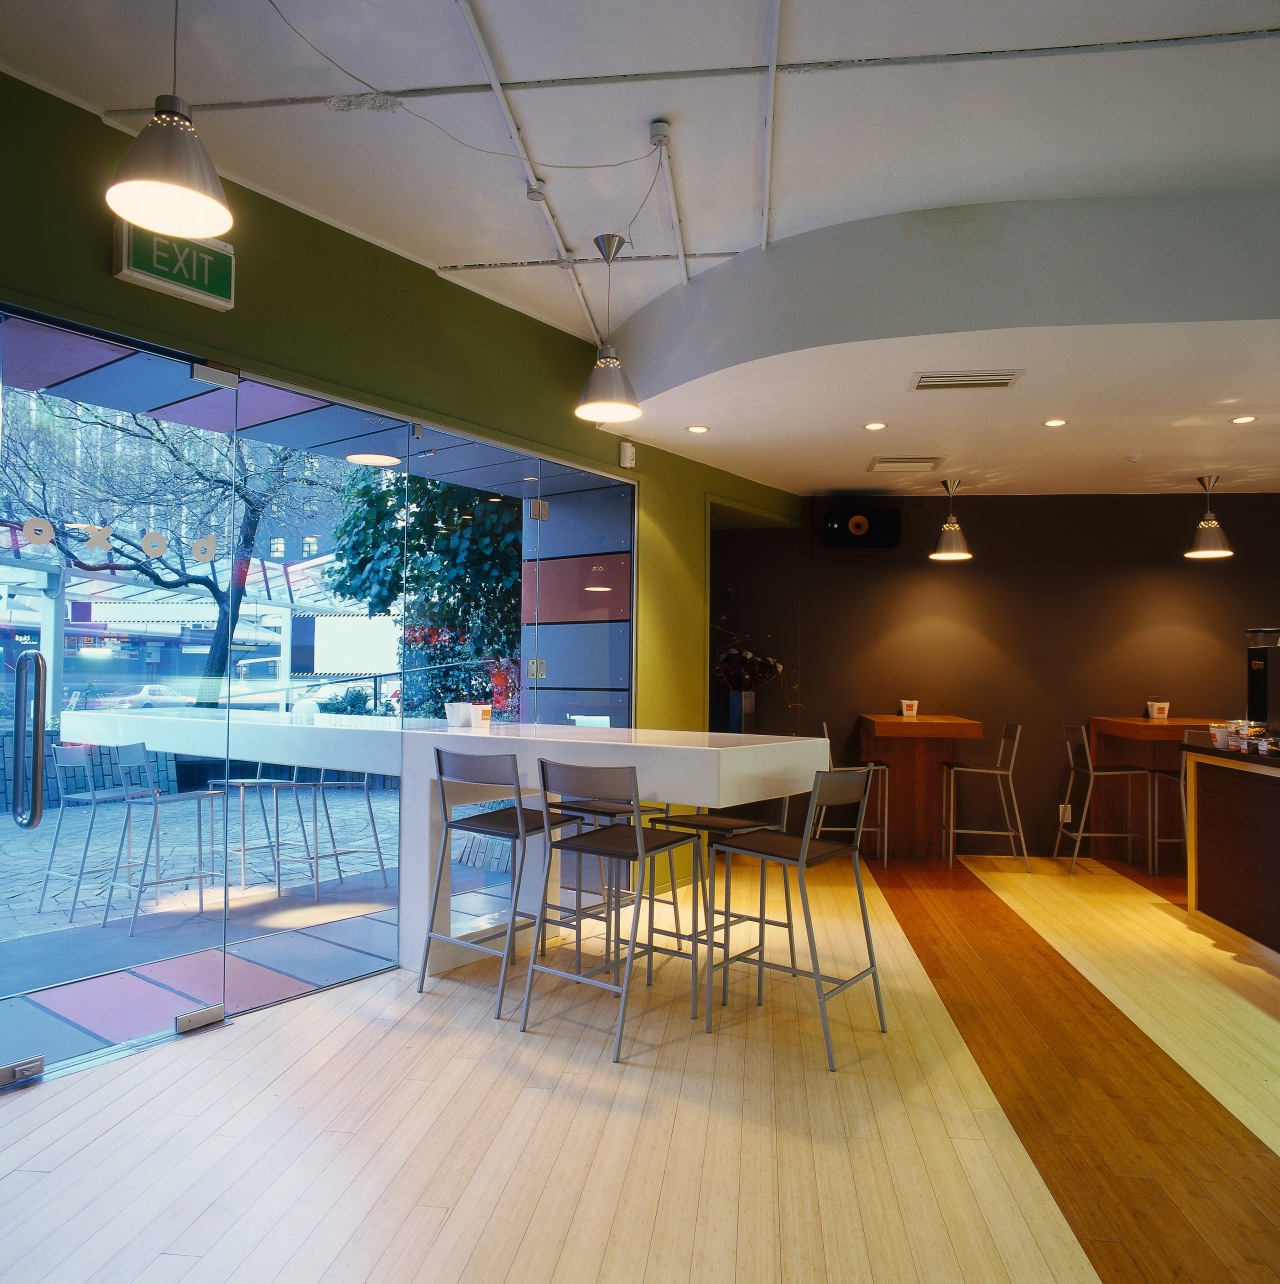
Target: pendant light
{"points": [[608, 397], [951, 546], [166, 182], [1209, 541]]}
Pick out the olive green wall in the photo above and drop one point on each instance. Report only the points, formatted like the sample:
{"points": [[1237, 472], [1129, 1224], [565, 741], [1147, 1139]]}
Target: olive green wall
{"points": [[322, 309]]}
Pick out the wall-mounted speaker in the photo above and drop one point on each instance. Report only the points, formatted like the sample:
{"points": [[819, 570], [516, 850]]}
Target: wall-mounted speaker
{"points": [[851, 526]]}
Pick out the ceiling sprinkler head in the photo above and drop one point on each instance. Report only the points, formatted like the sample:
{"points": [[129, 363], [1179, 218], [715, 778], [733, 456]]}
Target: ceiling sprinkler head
{"points": [[536, 191]]}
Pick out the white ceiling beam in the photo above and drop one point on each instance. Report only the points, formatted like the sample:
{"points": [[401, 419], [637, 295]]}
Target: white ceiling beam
{"points": [[770, 97], [556, 263], [562, 252], [705, 73]]}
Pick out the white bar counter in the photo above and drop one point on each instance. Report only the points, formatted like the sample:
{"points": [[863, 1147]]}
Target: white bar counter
{"points": [[692, 768]]}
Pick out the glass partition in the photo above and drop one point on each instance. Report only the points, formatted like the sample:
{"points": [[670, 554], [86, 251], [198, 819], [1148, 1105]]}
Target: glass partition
{"points": [[257, 587], [116, 586]]}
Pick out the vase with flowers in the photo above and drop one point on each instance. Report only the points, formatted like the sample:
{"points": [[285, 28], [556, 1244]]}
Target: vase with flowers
{"points": [[744, 671]]}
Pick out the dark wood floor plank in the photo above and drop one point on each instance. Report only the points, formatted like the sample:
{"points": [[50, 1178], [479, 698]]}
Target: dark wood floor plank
{"points": [[1157, 1179]]}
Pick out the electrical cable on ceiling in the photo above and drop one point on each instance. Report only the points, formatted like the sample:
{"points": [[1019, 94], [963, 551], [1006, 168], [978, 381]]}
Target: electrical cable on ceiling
{"points": [[348, 102], [657, 169]]}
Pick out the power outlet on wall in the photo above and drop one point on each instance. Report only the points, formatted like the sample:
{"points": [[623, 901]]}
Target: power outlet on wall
{"points": [[1064, 813]]}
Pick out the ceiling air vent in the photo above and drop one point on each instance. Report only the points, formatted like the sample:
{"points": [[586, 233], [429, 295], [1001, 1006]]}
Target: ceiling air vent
{"points": [[964, 379], [905, 464]]}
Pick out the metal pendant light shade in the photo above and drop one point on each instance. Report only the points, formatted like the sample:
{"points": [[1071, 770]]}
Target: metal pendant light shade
{"points": [[951, 545], [1209, 542], [166, 182], [608, 397]]}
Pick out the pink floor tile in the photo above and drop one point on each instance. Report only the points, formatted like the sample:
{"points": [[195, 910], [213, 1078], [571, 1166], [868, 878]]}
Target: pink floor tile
{"points": [[117, 1007], [249, 985]]}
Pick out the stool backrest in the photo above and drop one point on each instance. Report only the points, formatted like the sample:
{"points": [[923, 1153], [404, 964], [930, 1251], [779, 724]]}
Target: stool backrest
{"points": [[1078, 749], [68, 759], [476, 768], [498, 769], [1008, 746], [133, 759], [839, 787], [594, 784]]}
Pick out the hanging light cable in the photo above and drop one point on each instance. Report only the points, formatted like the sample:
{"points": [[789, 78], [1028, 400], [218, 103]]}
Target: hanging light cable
{"points": [[1209, 540], [608, 397], [166, 182], [951, 546]]}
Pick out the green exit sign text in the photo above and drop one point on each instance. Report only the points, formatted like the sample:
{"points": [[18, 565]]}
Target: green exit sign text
{"points": [[200, 271]]}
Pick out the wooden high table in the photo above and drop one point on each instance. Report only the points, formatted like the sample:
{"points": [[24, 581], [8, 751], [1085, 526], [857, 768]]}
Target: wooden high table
{"points": [[915, 749], [1153, 743]]}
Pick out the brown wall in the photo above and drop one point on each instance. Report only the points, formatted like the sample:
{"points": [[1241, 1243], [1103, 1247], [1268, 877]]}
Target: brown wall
{"points": [[1072, 606]]}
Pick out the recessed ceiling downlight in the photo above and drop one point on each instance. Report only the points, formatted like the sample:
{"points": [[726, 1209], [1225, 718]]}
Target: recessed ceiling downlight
{"points": [[373, 459], [1244, 419], [1055, 423], [698, 428], [874, 427]]}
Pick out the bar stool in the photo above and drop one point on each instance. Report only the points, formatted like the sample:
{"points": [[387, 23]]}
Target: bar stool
{"points": [[511, 823], [67, 760], [620, 848], [244, 785], [707, 828], [843, 787], [880, 784], [1178, 778], [327, 783], [294, 786], [139, 790], [1001, 771], [600, 811], [1080, 762]]}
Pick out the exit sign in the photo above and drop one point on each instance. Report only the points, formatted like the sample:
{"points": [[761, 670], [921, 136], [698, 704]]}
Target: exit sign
{"points": [[200, 271]]}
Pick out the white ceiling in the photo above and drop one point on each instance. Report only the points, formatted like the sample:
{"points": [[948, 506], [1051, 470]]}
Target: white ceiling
{"points": [[853, 140]]}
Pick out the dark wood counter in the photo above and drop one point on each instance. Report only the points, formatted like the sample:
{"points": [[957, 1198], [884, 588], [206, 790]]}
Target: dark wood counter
{"points": [[915, 749], [1233, 856], [1153, 743]]}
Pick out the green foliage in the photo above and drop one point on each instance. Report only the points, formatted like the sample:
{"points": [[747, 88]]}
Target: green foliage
{"points": [[451, 556], [353, 700]]}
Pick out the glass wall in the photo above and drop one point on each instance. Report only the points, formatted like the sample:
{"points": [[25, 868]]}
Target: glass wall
{"points": [[232, 595]]}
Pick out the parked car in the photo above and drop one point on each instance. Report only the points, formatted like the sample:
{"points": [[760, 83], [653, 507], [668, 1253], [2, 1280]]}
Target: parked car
{"points": [[149, 696]]}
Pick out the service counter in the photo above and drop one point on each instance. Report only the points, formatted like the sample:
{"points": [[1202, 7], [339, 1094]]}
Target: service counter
{"points": [[1233, 852]]}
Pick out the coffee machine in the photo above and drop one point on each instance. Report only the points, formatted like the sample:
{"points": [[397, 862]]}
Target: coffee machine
{"points": [[1263, 691]]}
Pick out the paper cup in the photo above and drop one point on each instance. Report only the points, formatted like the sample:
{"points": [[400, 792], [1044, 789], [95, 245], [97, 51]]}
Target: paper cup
{"points": [[1158, 709], [909, 708], [1220, 733]]}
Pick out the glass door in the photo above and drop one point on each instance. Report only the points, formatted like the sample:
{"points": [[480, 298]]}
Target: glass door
{"points": [[317, 694], [116, 509]]}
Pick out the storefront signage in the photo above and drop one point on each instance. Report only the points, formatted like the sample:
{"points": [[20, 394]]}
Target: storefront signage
{"points": [[200, 271]]}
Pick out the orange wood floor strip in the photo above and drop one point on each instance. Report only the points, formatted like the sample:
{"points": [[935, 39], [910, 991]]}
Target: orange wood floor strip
{"points": [[1156, 1178]]}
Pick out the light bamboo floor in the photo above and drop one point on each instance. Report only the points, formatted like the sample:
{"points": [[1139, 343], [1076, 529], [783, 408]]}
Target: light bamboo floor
{"points": [[1209, 1001], [1157, 1178], [368, 1133]]}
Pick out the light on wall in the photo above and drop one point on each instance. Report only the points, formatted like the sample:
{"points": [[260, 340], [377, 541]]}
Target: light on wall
{"points": [[1209, 540], [608, 397], [166, 182], [951, 546]]}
